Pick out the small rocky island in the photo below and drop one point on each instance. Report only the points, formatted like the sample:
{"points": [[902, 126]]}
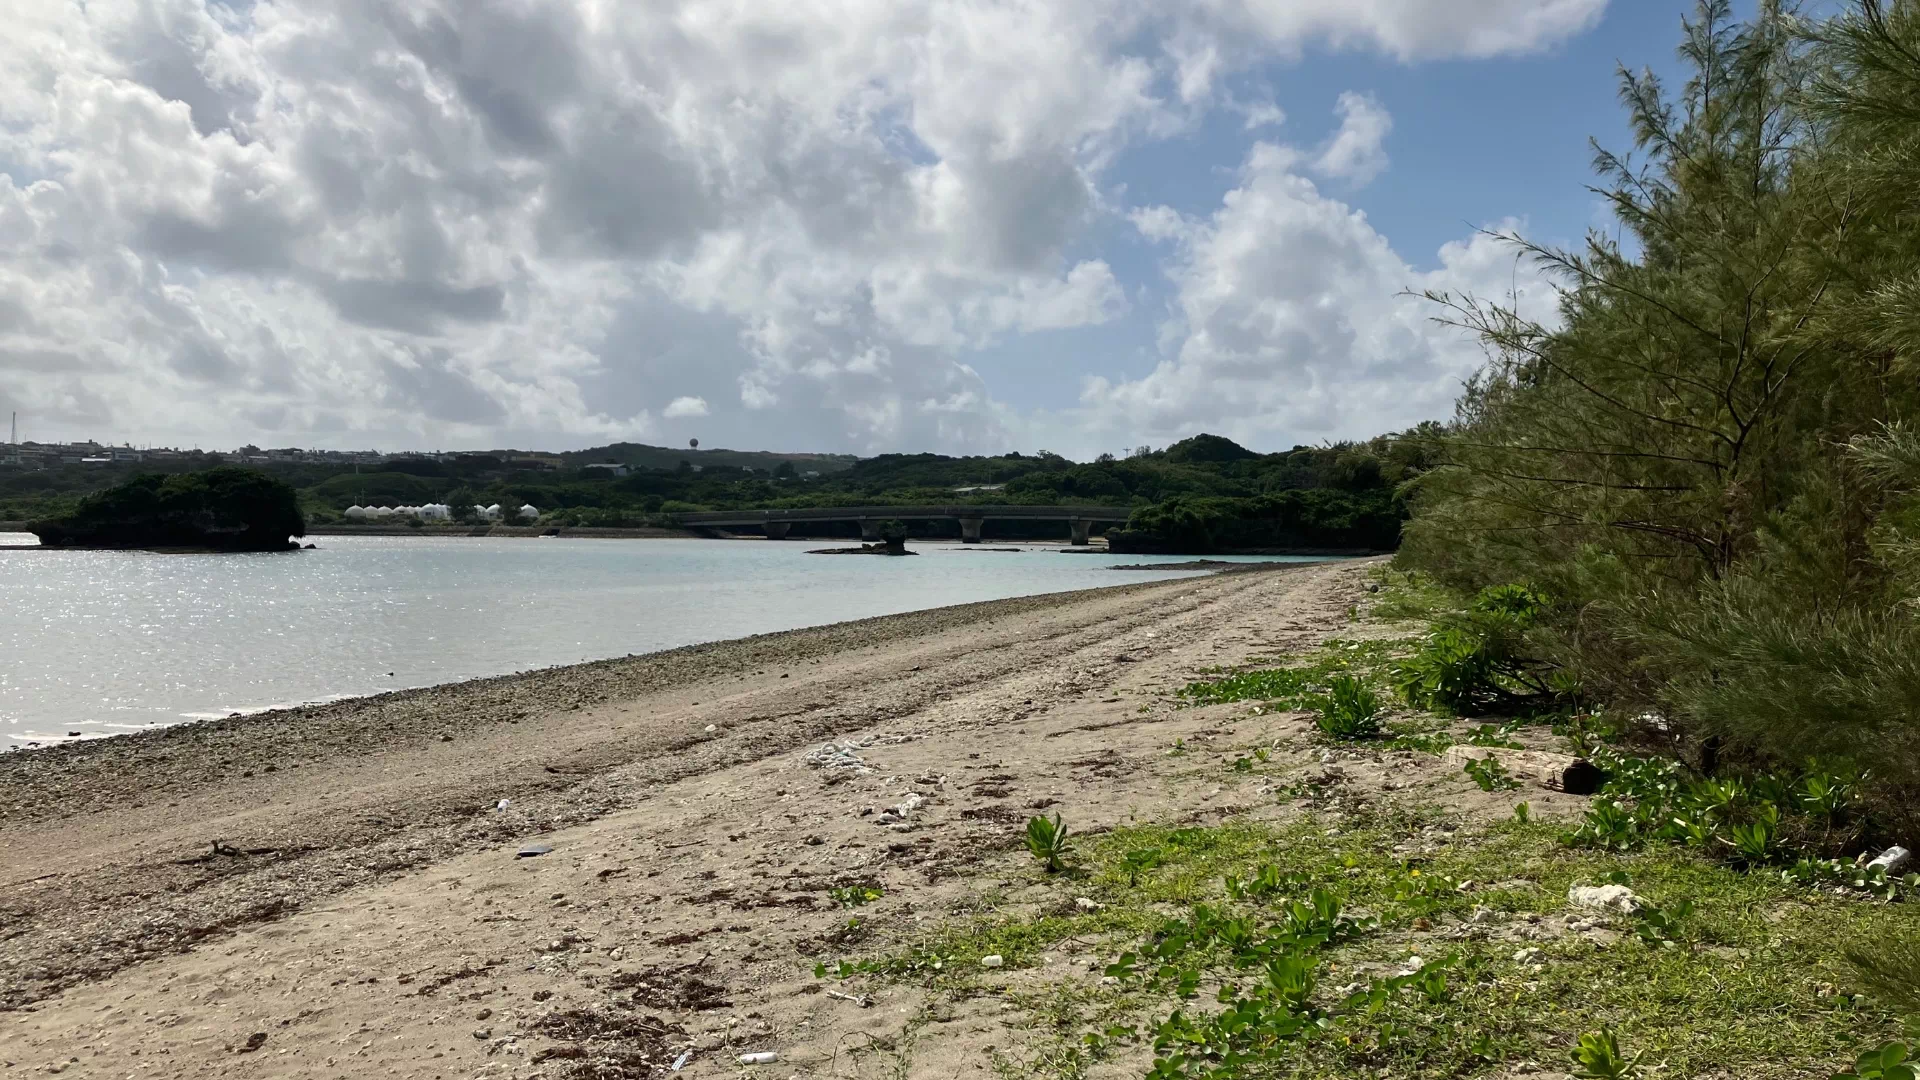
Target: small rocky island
{"points": [[223, 509], [893, 541]]}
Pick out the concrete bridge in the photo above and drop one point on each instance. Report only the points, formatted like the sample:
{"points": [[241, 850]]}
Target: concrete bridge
{"points": [[778, 523]]}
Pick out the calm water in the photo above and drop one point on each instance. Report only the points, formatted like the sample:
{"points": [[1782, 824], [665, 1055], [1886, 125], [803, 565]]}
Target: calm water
{"points": [[108, 642]]}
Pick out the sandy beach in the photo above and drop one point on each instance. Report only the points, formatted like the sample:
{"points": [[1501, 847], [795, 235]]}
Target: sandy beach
{"points": [[334, 891]]}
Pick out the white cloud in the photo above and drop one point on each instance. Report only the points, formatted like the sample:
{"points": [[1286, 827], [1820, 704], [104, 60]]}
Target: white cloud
{"points": [[1292, 318], [463, 221], [1357, 151], [682, 407]]}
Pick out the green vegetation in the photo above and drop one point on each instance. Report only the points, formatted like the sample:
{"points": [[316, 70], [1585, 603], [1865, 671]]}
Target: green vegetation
{"points": [[1889, 1062], [228, 509], [1291, 520], [1047, 842], [1302, 687], [1707, 461], [1350, 710], [1203, 495], [1251, 950], [1488, 774]]}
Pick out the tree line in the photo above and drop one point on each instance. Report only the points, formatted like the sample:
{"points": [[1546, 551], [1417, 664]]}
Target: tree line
{"points": [[1200, 495], [1707, 460]]}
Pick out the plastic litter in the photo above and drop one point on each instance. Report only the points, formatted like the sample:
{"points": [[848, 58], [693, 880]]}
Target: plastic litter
{"points": [[900, 812], [533, 850], [764, 1057], [1893, 860], [845, 754], [992, 960], [681, 1061], [503, 804]]}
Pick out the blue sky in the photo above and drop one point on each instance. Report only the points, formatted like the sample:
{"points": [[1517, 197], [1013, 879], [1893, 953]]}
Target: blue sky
{"points": [[847, 225], [1474, 142]]}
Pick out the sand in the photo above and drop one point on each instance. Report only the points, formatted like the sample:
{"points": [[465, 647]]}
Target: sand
{"points": [[364, 913]]}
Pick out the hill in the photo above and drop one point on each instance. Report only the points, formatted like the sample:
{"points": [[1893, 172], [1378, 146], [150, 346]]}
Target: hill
{"points": [[642, 456], [1202, 495]]}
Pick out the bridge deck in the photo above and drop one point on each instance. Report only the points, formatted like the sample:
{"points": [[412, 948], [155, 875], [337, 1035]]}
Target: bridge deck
{"points": [[1096, 514]]}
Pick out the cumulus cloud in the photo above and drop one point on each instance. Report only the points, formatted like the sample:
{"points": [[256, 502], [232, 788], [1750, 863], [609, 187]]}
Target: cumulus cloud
{"points": [[1292, 318], [1357, 152], [683, 407], [461, 221]]}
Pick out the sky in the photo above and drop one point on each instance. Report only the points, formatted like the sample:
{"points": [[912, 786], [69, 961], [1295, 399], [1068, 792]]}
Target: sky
{"points": [[964, 226]]}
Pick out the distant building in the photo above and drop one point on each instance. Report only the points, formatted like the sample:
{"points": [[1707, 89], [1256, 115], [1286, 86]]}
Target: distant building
{"points": [[608, 467], [968, 490]]}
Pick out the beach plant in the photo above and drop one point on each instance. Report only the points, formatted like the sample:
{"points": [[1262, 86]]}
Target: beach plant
{"points": [[853, 896], [1490, 774], [1350, 710], [1597, 1056], [1660, 926], [1047, 841], [1886, 1062], [1138, 861]]}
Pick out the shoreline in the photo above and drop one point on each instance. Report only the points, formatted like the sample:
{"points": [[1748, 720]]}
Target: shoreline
{"points": [[203, 851], [286, 727]]}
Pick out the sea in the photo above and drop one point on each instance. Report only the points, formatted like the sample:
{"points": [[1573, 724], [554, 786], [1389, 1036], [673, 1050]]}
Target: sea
{"points": [[101, 643]]}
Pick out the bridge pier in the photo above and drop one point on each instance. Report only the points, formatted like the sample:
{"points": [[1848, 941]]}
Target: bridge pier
{"points": [[777, 530], [970, 529], [869, 531], [1079, 528]]}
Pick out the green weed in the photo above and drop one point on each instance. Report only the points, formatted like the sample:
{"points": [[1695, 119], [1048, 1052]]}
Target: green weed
{"points": [[1490, 774], [1888, 1062], [1350, 710], [1598, 1057], [1047, 841]]}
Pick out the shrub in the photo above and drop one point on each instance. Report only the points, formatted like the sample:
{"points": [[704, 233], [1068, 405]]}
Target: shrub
{"points": [[1350, 710], [1478, 659]]}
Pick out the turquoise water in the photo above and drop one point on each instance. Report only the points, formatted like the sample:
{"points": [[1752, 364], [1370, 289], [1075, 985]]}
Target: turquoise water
{"points": [[107, 642]]}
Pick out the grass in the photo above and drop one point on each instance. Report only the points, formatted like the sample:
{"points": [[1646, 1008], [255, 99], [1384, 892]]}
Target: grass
{"points": [[1301, 686], [1752, 980]]}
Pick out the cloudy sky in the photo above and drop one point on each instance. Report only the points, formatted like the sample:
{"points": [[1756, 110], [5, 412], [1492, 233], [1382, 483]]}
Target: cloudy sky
{"points": [[851, 225]]}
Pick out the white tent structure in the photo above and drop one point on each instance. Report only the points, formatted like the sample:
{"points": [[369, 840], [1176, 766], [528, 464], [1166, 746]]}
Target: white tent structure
{"points": [[357, 512], [529, 512]]}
